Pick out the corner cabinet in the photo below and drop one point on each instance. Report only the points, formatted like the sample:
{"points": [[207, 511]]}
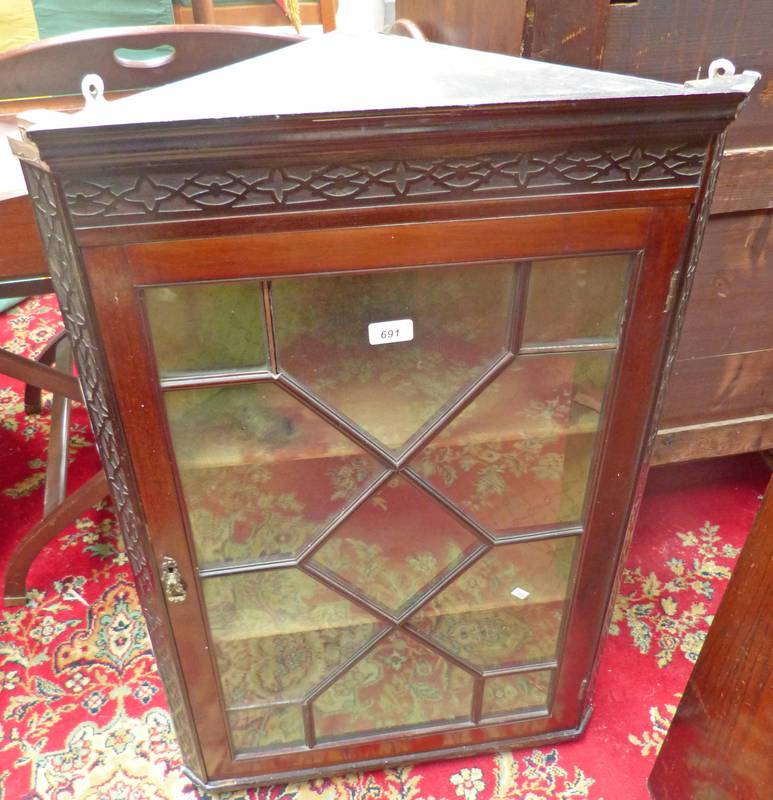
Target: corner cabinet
{"points": [[374, 384]]}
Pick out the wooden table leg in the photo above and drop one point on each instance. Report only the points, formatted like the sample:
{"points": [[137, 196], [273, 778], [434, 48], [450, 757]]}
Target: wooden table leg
{"points": [[73, 506], [720, 744]]}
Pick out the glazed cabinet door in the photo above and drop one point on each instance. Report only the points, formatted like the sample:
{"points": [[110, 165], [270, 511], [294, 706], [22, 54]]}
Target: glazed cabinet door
{"points": [[386, 472]]}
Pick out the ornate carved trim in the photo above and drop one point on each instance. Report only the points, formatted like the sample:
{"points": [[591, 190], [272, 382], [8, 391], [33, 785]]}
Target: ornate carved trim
{"points": [[72, 293], [103, 200]]}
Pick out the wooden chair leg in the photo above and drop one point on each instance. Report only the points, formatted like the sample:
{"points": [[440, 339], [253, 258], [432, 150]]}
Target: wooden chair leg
{"points": [[32, 402], [59, 436], [28, 371], [203, 12], [73, 506], [327, 11]]}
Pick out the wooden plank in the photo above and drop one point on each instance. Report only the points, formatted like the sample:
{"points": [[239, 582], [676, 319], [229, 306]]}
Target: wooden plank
{"points": [[672, 41], [745, 180], [722, 438], [731, 305], [21, 253], [566, 33], [493, 25], [719, 387], [719, 744]]}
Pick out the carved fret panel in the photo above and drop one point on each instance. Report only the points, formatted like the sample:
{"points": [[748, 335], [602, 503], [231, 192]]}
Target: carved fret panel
{"points": [[71, 292], [95, 201]]}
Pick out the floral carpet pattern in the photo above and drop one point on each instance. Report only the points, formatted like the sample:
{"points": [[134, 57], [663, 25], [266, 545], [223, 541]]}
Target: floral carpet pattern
{"points": [[83, 715]]}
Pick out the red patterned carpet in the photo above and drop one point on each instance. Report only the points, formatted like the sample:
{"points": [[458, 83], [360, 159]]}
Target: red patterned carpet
{"points": [[83, 715]]}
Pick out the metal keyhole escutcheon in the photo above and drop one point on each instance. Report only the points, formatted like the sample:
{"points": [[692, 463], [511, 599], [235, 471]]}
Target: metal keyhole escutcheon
{"points": [[172, 581]]}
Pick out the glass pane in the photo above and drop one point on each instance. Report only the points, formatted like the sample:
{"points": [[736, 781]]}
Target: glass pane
{"points": [[207, 326], [262, 475], [279, 633], [395, 545], [576, 298], [459, 317], [519, 456], [506, 609], [400, 684], [266, 728], [508, 694]]}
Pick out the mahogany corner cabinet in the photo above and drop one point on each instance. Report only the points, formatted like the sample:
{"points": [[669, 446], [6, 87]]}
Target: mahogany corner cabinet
{"points": [[371, 332]]}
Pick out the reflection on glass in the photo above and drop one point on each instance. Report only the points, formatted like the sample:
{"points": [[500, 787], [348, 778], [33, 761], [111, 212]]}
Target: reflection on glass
{"points": [[266, 728], [207, 326], [576, 298], [519, 456], [278, 633], [459, 316], [509, 694], [506, 609], [395, 545], [261, 474], [400, 684]]}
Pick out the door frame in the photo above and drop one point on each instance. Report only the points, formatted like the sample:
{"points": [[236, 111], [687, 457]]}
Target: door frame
{"points": [[115, 275]]}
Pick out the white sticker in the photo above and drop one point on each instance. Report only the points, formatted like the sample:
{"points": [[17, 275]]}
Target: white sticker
{"points": [[521, 594], [393, 330]]}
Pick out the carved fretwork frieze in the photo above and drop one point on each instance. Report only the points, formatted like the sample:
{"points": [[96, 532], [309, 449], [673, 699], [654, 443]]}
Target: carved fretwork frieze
{"points": [[72, 294], [102, 200]]}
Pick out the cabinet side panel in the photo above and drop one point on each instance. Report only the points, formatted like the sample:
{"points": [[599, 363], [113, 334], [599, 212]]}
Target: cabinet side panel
{"points": [[687, 264], [66, 271]]}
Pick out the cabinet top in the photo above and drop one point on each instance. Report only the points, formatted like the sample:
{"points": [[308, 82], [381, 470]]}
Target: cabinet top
{"points": [[340, 77], [340, 72]]}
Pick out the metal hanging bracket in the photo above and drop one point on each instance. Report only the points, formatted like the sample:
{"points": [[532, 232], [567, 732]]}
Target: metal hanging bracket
{"points": [[722, 76], [93, 90]]}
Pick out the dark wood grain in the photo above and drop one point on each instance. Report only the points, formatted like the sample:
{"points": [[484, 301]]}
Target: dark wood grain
{"points": [[705, 440], [566, 33], [718, 388], [464, 240], [732, 298], [493, 25], [723, 372], [719, 744], [745, 180], [673, 41]]}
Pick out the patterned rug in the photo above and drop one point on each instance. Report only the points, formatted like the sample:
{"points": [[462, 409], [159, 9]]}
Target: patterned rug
{"points": [[83, 715]]}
